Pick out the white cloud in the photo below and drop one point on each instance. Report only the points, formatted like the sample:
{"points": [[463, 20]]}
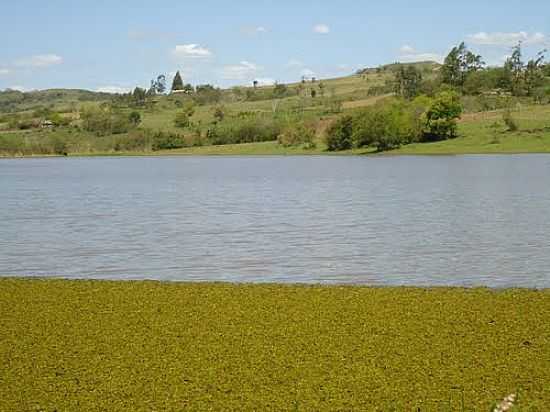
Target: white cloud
{"points": [[308, 73], [243, 71], [114, 89], [4, 72], [191, 51], [40, 61], [321, 29], [343, 67], [408, 54], [507, 39]]}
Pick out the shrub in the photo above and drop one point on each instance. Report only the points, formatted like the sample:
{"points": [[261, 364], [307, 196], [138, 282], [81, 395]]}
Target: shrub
{"points": [[339, 134], [298, 135], [166, 141], [441, 115], [509, 121], [103, 121], [134, 118]]}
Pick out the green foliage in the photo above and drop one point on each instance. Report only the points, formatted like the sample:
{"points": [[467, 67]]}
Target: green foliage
{"points": [[104, 120], [280, 90], [177, 83], [459, 64], [340, 134], [134, 118], [207, 94], [389, 126], [182, 120], [441, 116], [408, 80], [219, 113], [166, 141], [509, 121], [247, 130], [96, 345], [299, 134]]}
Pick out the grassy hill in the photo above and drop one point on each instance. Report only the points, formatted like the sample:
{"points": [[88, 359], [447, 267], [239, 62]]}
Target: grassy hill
{"points": [[247, 112]]}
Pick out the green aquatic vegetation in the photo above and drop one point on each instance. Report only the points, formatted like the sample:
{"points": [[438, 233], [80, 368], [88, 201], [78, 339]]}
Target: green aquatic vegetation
{"points": [[92, 345]]}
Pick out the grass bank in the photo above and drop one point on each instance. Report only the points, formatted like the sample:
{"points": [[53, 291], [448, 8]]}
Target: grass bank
{"points": [[88, 345]]}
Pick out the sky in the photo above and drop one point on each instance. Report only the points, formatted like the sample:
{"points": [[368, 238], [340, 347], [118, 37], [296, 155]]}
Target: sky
{"points": [[113, 46]]}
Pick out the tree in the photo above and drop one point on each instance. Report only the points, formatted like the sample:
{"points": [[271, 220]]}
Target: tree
{"points": [[339, 135], [177, 83], [514, 70], [134, 118], [459, 64], [188, 89], [158, 85], [138, 96], [534, 75], [408, 81], [441, 115]]}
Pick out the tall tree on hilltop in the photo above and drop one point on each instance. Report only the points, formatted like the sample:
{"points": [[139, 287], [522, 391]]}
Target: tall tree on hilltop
{"points": [[459, 64], [177, 83]]}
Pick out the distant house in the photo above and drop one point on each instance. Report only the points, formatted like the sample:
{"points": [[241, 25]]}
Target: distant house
{"points": [[47, 124]]}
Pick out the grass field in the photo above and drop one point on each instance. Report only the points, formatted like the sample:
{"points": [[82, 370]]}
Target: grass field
{"points": [[88, 345]]}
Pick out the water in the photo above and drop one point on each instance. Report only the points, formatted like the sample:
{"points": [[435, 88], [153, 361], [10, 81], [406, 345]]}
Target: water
{"points": [[469, 220]]}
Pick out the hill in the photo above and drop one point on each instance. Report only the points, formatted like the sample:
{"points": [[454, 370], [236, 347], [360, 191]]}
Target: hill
{"points": [[280, 119]]}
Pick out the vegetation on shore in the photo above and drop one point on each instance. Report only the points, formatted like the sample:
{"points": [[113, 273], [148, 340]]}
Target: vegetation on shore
{"points": [[399, 107], [92, 345]]}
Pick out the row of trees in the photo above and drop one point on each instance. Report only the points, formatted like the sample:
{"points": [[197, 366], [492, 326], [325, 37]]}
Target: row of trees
{"points": [[467, 73]]}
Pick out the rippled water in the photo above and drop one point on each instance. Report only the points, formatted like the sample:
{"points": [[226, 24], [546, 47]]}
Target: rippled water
{"points": [[472, 220]]}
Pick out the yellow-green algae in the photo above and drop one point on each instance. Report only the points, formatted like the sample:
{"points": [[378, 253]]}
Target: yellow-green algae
{"points": [[144, 346]]}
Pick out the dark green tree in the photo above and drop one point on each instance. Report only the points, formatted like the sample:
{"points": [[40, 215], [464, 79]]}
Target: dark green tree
{"points": [[177, 83], [408, 81], [134, 118]]}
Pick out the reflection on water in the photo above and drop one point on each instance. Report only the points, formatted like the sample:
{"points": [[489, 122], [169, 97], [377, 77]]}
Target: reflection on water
{"points": [[472, 220]]}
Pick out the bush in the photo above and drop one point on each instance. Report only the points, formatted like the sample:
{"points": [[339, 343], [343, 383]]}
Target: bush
{"points": [[166, 141], [134, 118], [298, 135], [247, 130], [441, 115], [103, 121], [340, 134], [509, 121]]}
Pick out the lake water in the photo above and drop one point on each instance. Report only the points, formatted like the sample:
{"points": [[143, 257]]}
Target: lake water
{"points": [[467, 220]]}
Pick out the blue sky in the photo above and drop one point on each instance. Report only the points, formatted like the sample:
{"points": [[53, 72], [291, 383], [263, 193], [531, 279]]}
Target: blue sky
{"points": [[108, 45]]}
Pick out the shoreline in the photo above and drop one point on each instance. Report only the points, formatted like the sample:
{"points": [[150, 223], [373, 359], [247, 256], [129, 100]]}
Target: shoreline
{"points": [[300, 154], [298, 285]]}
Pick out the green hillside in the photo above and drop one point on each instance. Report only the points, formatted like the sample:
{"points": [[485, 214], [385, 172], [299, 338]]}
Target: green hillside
{"points": [[291, 118]]}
